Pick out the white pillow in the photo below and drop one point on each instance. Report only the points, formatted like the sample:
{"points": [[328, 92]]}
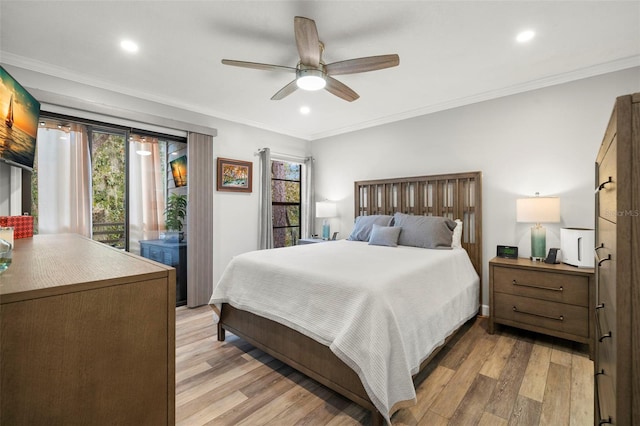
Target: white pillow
{"points": [[456, 240]]}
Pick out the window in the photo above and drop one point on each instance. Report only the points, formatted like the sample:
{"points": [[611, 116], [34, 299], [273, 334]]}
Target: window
{"points": [[286, 195], [103, 181]]}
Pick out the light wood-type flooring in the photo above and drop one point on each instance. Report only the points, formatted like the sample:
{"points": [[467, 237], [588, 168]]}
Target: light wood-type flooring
{"points": [[510, 378]]}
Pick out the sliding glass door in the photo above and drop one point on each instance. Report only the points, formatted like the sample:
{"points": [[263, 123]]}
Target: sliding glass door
{"points": [[147, 188], [109, 187], [104, 182]]}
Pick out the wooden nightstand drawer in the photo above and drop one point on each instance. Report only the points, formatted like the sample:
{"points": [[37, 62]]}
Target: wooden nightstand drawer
{"points": [[551, 286], [542, 313]]}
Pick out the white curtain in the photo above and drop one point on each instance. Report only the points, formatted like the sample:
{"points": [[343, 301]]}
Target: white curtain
{"points": [[64, 183], [146, 192], [266, 213], [308, 199]]}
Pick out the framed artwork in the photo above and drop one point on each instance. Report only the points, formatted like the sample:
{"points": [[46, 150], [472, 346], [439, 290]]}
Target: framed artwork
{"points": [[234, 175], [179, 171]]}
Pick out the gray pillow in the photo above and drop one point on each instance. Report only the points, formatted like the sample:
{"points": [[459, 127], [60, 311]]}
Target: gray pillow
{"points": [[425, 231], [362, 228], [384, 235]]}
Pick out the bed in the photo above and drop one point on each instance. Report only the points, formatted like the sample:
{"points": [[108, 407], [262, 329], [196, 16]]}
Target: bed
{"points": [[350, 323]]}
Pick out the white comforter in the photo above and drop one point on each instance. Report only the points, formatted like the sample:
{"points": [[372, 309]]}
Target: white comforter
{"points": [[382, 310]]}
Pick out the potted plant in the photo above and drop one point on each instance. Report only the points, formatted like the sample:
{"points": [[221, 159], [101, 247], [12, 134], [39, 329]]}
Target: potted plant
{"points": [[176, 211]]}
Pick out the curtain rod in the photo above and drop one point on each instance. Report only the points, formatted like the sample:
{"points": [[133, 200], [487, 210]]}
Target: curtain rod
{"points": [[277, 154]]}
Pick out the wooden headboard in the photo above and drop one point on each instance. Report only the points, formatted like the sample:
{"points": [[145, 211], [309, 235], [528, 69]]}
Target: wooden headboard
{"points": [[456, 196]]}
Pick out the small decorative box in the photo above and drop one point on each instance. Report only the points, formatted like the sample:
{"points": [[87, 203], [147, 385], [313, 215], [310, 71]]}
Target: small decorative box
{"points": [[22, 225]]}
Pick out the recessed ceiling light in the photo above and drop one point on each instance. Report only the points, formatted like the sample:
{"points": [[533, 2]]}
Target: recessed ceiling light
{"points": [[129, 46], [305, 110], [525, 36]]}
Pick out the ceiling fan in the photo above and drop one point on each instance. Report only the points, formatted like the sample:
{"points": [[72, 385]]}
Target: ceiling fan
{"points": [[311, 72]]}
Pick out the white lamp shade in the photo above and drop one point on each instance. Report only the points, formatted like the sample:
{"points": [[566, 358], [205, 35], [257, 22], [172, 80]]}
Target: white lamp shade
{"points": [[538, 209], [326, 209]]}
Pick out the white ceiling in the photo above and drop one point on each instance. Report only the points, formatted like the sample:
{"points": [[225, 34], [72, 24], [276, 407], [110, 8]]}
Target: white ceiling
{"points": [[451, 52]]}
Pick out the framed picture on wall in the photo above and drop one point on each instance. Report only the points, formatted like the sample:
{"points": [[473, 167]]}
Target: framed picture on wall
{"points": [[234, 175], [179, 171]]}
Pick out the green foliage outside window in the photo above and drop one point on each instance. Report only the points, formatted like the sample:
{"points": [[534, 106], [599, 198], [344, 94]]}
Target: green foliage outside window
{"points": [[108, 181]]}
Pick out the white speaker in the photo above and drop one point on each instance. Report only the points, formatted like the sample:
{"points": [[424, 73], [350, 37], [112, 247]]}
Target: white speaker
{"points": [[577, 246]]}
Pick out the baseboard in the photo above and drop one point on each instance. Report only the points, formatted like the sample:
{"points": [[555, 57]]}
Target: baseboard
{"points": [[484, 309]]}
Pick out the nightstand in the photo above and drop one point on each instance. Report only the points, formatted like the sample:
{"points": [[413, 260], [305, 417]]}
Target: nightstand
{"points": [[302, 241], [553, 299]]}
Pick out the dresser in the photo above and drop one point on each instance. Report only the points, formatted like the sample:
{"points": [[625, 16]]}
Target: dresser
{"points": [[172, 254], [87, 335], [617, 203], [553, 299]]}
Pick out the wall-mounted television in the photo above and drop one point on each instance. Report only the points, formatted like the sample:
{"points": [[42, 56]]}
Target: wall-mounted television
{"points": [[19, 112]]}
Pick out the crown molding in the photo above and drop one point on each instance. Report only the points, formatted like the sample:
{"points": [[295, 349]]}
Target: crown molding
{"points": [[66, 74]]}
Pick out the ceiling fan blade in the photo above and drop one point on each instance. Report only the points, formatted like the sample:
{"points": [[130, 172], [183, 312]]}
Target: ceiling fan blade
{"points": [[285, 91], [257, 66], [307, 41], [370, 63], [341, 90]]}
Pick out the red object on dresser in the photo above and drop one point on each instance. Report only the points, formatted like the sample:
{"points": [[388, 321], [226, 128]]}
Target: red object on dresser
{"points": [[22, 225]]}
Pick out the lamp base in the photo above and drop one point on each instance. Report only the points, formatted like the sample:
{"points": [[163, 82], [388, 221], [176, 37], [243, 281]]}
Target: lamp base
{"points": [[538, 242], [326, 229]]}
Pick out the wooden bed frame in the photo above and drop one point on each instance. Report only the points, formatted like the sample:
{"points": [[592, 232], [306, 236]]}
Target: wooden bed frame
{"points": [[455, 196]]}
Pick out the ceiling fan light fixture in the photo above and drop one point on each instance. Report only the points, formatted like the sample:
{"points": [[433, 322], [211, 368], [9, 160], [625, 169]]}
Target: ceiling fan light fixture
{"points": [[310, 79]]}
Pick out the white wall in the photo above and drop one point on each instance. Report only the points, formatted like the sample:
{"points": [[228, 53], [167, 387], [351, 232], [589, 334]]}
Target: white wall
{"points": [[235, 215], [544, 140], [541, 141], [10, 190]]}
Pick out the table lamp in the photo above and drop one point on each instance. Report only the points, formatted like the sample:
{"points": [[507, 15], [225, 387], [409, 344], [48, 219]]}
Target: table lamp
{"points": [[538, 210], [325, 210]]}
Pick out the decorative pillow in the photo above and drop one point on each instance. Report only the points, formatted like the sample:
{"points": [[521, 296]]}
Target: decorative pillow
{"points": [[362, 228], [425, 231], [456, 241], [385, 235]]}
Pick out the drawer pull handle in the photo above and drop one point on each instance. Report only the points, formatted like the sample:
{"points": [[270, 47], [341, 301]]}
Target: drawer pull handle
{"points": [[560, 318], [599, 247], [605, 421], [599, 306], [601, 372], [540, 287], [601, 261], [604, 336], [603, 184]]}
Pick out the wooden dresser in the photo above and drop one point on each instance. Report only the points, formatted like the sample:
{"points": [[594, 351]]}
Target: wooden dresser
{"points": [[617, 363], [554, 299], [87, 336]]}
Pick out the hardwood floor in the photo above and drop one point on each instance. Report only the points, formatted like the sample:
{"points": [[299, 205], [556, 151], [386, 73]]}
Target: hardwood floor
{"points": [[510, 378]]}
